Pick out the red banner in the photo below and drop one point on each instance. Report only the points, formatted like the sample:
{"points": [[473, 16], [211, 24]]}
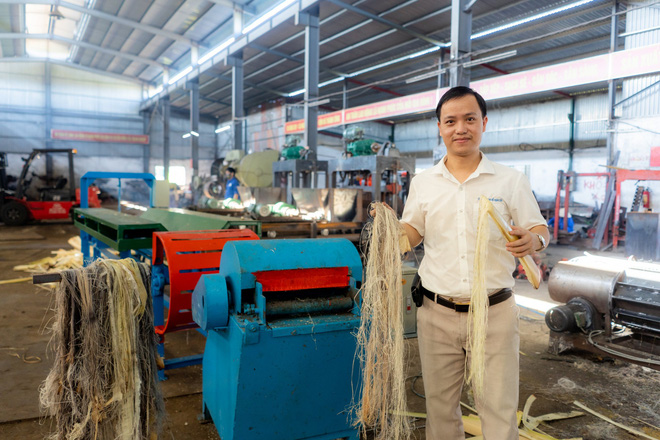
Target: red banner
{"points": [[90, 136], [622, 64], [421, 102]]}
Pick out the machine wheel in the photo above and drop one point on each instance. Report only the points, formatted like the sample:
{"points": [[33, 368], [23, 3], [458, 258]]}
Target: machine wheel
{"points": [[14, 214]]}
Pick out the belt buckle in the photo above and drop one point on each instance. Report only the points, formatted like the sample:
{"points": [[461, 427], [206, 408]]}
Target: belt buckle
{"points": [[461, 303]]}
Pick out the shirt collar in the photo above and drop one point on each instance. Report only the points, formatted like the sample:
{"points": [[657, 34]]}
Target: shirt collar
{"points": [[485, 167]]}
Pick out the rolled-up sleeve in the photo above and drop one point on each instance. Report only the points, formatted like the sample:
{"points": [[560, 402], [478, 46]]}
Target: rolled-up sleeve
{"points": [[412, 212]]}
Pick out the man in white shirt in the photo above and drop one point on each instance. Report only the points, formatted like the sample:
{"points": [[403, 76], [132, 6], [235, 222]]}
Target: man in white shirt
{"points": [[442, 210]]}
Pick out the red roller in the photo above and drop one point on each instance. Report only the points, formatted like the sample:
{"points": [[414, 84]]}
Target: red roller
{"points": [[189, 255]]}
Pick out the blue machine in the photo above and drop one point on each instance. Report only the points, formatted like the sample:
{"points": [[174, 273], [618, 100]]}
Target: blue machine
{"points": [[279, 360]]}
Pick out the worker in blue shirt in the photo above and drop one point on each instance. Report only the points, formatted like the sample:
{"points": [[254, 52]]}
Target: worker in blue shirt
{"points": [[231, 190]]}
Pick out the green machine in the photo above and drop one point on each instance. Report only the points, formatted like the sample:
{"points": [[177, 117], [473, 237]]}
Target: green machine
{"points": [[357, 145], [292, 149], [124, 232]]}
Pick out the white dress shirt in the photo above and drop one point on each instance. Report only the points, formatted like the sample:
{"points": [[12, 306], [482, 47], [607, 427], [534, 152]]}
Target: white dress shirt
{"points": [[445, 212]]}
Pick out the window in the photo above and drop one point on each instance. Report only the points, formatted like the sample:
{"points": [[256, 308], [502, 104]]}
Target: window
{"points": [[177, 174]]}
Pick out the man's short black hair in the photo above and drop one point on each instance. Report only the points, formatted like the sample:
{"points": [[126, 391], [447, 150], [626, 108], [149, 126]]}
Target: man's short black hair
{"points": [[458, 92], [231, 170]]}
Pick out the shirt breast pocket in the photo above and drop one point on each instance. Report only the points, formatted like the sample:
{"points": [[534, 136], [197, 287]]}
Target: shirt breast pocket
{"points": [[494, 235]]}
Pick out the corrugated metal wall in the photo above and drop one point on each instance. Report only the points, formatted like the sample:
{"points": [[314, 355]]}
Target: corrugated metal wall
{"points": [[521, 128], [80, 101], [646, 103], [83, 101], [638, 129]]}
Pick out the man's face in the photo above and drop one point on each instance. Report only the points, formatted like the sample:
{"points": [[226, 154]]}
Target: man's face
{"points": [[461, 126]]}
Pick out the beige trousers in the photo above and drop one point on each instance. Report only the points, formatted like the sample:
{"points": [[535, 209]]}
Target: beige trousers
{"points": [[442, 338]]}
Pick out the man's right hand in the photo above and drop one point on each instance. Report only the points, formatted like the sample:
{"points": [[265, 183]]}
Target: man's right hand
{"points": [[372, 208]]}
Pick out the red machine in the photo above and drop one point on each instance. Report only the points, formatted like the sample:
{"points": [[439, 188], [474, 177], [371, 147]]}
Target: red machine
{"points": [[180, 259], [54, 201]]}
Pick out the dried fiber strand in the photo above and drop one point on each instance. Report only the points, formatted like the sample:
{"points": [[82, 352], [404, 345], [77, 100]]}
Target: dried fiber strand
{"points": [[103, 384], [381, 349], [478, 311]]}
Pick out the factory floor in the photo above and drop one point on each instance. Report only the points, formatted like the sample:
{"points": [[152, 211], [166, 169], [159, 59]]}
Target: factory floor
{"points": [[626, 393]]}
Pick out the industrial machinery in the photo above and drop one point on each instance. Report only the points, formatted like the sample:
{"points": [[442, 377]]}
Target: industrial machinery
{"points": [[253, 170], [292, 149], [357, 145], [296, 170], [602, 295], [383, 178], [54, 201], [281, 317]]}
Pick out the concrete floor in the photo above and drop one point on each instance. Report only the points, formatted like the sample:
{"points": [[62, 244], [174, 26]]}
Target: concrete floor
{"points": [[624, 392]]}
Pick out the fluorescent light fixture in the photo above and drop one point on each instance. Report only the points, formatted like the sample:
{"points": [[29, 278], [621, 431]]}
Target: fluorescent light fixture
{"points": [[332, 81], [267, 16], [317, 103], [216, 50], [423, 76], [484, 60], [323, 84], [427, 51], [186, 136], [194, 133], [155, 92], [180, 75], [528, 19], [297, 92], [394, 61], [224, 128]]}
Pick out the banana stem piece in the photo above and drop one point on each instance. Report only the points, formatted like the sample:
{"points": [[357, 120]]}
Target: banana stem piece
{"points": [[531, 269]]}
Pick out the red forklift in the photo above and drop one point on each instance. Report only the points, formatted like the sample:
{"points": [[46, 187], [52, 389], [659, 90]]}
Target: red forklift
{"points": [[53, 201]]}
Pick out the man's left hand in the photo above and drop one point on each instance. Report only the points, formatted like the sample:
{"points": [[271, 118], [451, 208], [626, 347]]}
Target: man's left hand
{"points": [[525, 245]]}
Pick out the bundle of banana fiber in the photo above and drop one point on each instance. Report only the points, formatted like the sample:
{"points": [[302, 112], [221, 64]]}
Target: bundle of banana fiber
{"points": [[103, 384]]}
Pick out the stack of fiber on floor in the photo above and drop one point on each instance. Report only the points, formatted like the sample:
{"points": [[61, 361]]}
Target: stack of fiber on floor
{"points": [[381, 348], [103, 384]]}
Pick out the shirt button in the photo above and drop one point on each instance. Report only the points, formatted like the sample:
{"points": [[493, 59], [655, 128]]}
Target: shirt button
{"points": [[463, 257], [460, 211], [464, 280], [460, 188]]}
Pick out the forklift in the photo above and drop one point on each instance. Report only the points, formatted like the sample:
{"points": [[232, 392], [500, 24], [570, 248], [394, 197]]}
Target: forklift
{"points": [[54, 201]]}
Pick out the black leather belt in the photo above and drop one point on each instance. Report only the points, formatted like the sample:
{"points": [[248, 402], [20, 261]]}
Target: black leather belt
{"points": [[496, 298]]}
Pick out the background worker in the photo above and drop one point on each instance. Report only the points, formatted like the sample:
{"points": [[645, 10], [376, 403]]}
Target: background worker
{"points": [[231, 187], [442, 210]]}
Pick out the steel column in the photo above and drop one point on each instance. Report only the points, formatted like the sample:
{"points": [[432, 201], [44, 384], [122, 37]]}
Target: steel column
{"points": [[146, 129], [461, 30], [310, 19], [344, 100], [237, 89], [571, 136], [48, 117], [166, 136], [611, 85], [194, 125]]}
